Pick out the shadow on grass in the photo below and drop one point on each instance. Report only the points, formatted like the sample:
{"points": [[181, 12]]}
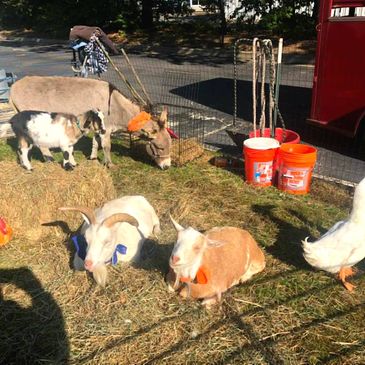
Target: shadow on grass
{"points": [[155, 256], [287, 247], [264, 346], [68, 242], [30, 334]]}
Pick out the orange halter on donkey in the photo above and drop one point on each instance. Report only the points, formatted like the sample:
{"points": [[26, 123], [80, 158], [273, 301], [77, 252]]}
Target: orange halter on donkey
{"points": [[5, 232], [201, 276], [137, 122]]}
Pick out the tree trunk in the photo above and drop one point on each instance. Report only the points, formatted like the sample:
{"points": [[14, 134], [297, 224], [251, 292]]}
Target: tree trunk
{"points": [[223, 19], [147, 14]]}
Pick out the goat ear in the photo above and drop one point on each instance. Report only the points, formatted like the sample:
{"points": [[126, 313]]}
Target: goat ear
{"points": [[214, 243], [176, 225]]}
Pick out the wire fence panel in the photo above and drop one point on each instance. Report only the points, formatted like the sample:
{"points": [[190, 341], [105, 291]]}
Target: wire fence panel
{"points": [[197, 86]]}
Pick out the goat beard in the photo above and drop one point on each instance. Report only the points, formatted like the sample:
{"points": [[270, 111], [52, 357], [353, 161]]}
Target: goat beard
{"points": [[100, 274], [188, 271]]}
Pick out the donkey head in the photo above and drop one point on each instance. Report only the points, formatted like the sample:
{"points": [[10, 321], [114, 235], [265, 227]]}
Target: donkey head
{"points": [[159, 140]]}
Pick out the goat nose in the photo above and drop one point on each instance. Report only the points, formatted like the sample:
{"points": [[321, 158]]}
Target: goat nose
{"points": [[88, 264], [175, 259]]}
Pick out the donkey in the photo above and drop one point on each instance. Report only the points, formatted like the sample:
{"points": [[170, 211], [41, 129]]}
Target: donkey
{"points": [[73, 95]]}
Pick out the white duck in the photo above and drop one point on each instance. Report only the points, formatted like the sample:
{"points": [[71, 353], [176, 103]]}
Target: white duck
{"points": [[343, 246]]}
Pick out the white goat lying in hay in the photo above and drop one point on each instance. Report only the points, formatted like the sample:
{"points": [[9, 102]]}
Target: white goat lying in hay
{"points": [[211, 263], [115, 232], [53, 130]]}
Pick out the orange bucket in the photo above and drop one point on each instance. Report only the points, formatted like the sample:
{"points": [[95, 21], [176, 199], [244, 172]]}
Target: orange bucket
{"points": [[296, 163], [259, 154]]}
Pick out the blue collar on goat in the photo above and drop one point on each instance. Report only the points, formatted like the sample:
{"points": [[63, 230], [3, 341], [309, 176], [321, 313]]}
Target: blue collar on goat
{"points": [[81, 244]]}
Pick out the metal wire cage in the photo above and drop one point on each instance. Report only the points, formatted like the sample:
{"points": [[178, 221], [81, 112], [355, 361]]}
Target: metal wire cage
{"points": [[176, 90]]}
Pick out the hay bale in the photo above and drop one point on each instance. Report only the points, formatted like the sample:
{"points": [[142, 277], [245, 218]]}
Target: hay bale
{"points": [[185, 150], [28, 201], [6, 112]]}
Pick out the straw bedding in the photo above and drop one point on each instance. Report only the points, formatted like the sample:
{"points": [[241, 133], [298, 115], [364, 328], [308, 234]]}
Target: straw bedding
{"points": [[29, 201], [185, 150]]}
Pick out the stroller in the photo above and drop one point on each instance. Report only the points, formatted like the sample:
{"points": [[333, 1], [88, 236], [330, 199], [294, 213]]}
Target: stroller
{"points": [[90, 46]]}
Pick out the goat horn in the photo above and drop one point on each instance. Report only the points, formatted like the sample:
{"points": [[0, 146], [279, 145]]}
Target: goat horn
{"points": [[177, 226], [120, 217], [89, 213]]}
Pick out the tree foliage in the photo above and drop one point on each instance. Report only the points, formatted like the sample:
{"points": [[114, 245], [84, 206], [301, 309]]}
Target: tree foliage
{"points": [[56, 17]]}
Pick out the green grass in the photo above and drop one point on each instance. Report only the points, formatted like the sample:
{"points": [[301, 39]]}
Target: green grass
{"points": [[288, 314]]}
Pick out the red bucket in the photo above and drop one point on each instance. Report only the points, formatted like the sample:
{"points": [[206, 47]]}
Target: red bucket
{"points": [[259, 154], [281, 135]]}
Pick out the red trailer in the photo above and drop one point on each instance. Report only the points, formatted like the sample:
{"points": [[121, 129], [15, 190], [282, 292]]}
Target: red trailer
{"points": [[338, 99]]}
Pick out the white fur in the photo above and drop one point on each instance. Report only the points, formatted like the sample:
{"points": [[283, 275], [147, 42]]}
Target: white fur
{"points": [[189, 259], [44, 133], [344, 244], [102, 241]]}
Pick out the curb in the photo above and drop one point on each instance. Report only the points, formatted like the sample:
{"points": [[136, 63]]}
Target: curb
{"points": [[45, 41], [213, 52]]}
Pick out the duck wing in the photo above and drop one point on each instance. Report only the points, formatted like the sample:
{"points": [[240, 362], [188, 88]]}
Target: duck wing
{"points": [[329, 251]]}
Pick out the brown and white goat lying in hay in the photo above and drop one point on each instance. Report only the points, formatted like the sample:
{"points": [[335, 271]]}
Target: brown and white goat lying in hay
{"points": [[203, 266], [76, 95], [53, 130], [115, 232]]}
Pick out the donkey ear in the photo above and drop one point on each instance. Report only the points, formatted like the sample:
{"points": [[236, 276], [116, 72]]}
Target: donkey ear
{"points": [[162, 120]]}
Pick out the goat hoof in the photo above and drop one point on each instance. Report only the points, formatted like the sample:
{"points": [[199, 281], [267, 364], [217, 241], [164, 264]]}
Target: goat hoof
{"points": [[92, 158], [27, 168], [209, 303], [68, 167], [170, 289], [48, 159]]}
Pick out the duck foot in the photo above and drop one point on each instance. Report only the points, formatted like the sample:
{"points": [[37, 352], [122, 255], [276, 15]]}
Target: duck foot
{"points": [[343, 274]]}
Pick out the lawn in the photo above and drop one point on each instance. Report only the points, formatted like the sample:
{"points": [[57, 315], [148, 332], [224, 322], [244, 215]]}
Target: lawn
{"points": [[288, 314]]}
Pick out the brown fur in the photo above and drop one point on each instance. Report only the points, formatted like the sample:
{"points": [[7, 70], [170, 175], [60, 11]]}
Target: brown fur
{"points": [[22, 142], [236, 260]]}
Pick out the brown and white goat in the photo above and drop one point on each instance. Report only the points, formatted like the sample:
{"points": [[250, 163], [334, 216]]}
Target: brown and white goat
{"points": [[203, 266], [53, 130]]}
